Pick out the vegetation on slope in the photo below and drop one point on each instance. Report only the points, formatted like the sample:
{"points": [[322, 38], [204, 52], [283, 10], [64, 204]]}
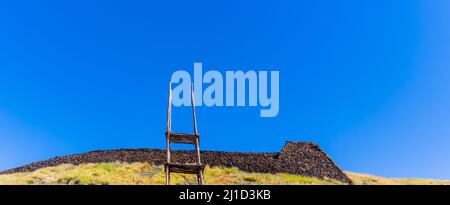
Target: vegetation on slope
{"points": [[147, 174], [366, 179]]}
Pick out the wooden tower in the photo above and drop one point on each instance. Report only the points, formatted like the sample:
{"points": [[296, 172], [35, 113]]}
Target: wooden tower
{"points": [[183, 138]]}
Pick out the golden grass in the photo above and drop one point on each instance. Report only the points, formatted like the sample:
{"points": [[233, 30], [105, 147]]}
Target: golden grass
{"points": [[366, 179], [147, 174]]}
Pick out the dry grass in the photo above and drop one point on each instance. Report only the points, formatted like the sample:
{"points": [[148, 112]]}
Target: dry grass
{"points": [[147, 174], [366, 179]]}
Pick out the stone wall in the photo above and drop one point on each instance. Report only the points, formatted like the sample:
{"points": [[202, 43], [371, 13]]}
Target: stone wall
{"points": [[301, 158]]}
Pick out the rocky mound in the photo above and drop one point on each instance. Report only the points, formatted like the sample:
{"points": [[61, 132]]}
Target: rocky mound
{"points": [[301, 158]]}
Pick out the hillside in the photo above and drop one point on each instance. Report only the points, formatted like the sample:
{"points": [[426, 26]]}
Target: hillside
{"points": [[366, 179], [296, 163], [297, 158], [147, 174]]}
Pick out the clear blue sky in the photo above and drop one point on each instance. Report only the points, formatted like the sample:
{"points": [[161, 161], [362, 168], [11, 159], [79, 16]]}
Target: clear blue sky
{"points": [[367, 80]]}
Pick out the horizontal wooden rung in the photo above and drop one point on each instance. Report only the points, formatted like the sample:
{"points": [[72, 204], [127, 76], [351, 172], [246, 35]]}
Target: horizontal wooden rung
{"points": [[185, 168], [183, 138]]}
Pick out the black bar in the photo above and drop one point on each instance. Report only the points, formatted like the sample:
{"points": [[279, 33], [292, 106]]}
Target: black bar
{"points": [[227, 194]]}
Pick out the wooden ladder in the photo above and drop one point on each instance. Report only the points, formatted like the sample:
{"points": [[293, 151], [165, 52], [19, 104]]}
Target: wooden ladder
{"points": [[183, 138]]}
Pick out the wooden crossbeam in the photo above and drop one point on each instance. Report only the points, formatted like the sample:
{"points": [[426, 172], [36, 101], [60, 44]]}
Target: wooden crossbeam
{"points": [[183, 138], [185, 168]]}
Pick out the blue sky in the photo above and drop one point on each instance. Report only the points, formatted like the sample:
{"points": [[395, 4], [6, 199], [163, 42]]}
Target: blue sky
{"points": [[367, 80]]}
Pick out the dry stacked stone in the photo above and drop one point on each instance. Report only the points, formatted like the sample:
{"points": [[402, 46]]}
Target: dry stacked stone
{"points": [[301, 158]]}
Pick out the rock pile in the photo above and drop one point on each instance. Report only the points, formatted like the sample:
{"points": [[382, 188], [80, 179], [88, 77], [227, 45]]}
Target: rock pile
{"points": [[301, 158]]}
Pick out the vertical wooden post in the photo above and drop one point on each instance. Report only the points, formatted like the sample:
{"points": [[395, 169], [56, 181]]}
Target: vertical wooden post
{"points": [[169, 122], [193, 109], [200, 178], [169, 109], [167, 174], [169, 127], [197, 149]]}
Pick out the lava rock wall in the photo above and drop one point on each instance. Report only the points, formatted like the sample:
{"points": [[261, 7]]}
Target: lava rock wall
{"points": [[301, 158]]}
